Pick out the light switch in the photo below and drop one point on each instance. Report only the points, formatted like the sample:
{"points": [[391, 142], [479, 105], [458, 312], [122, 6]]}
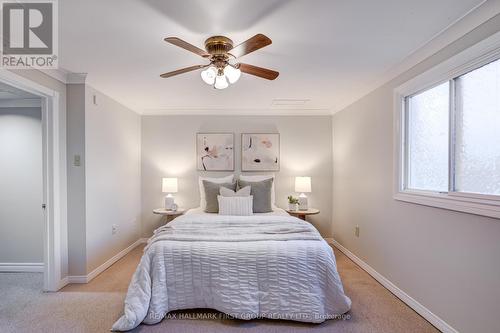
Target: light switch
{"points": [[77, 161]]}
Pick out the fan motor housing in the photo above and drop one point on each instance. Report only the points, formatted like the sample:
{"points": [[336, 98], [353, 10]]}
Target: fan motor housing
{"points": [[218, 45]]}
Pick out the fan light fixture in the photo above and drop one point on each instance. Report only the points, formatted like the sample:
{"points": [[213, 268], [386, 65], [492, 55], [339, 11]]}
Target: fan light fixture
{"points": [[220, 78], [219, 50]]}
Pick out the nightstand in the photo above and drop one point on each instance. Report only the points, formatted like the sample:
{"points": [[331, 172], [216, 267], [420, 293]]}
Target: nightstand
{"points": [[169, 214], [301, 214]]}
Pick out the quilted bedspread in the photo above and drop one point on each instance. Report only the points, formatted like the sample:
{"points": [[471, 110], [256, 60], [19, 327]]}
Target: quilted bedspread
{"points": [[245, 266]]}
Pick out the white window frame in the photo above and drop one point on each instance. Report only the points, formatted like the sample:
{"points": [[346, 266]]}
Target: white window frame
{"points": [[472, 58]]}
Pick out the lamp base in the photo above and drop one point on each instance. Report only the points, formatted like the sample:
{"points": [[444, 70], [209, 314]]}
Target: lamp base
{"points": [[303, 202], [169, 202]]}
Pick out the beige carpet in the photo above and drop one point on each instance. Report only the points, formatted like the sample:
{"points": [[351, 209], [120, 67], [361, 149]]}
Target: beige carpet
{"points": [[95, 306]]}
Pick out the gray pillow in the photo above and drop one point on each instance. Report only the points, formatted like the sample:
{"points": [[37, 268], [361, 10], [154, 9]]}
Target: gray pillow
{"points": [[242, 192], [262, 194], [211, 193]]}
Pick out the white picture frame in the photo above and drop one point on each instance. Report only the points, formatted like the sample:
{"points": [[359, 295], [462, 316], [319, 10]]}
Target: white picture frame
{"points": [[260, 152], [215, 151]]}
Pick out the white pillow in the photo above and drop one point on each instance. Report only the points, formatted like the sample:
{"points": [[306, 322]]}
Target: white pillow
{"points": [[258, 178], [236, 206], [242, 192], [220, 180]]}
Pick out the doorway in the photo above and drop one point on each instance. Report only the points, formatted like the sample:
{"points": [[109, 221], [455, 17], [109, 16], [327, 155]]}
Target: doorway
{"points": [[52, 205], [21, 191]]}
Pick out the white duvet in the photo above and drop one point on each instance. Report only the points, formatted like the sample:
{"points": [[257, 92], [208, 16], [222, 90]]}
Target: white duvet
{"points": [[245, 266]]}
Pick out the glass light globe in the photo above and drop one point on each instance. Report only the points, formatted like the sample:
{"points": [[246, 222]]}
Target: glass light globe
{"points": [[208, 75], [221, 82], [232, 74]]}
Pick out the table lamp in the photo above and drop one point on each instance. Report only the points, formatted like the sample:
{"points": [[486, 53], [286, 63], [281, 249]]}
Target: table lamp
{"points": [[303, 185], [169, 185]]}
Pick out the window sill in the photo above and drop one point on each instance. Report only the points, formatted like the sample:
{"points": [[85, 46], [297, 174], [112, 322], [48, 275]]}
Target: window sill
{"points": [[487, 208]]}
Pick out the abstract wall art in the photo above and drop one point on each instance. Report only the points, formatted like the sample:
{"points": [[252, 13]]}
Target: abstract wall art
{"points": [[215, 151], [260, 152]]}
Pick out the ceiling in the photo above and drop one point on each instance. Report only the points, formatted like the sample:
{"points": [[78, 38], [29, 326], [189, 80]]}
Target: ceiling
{"points": [[8, 92], [327, 52]]}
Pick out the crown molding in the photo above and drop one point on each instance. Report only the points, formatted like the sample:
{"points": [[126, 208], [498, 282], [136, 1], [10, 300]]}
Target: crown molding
{"points": [[65, 76], [76, 78], [184, 111], [457, 29]]}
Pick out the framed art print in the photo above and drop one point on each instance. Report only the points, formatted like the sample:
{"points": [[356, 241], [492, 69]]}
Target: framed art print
{"points": [[260, 152], [215, 151]]}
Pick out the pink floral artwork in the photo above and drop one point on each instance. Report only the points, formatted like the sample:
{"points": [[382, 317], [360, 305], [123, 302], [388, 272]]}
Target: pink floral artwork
{"points": [[215, 151]]}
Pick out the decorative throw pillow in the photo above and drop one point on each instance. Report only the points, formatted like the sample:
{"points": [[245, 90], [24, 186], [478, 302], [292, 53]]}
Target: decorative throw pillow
{"points": [[238, 206], [242, 192], [220, 180], [258, 178], [262, 194], [211, 193]]}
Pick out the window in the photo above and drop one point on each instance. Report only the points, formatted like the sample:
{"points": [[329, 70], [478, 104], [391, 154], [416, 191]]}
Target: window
{"points": [[477, 137], [474, 136], [448, 128], [427, 139]]}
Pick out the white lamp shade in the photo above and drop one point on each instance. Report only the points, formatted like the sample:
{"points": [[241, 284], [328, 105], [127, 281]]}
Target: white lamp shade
{"points": [[303, 184], [169, 185], [232, 74], [221, 82], [208, 75]]}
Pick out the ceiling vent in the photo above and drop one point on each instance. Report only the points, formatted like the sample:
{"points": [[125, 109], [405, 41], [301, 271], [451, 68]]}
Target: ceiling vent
{"points": [[289, 102]]}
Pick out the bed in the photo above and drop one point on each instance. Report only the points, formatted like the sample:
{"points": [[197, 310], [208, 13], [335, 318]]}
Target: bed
{"points": [[276, 212], [268, 265]]}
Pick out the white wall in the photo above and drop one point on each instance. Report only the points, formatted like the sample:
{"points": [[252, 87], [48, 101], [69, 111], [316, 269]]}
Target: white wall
{"points": [[168, 149], [119, 129], [447, 261], [75, 125], [21, 185], [113, 176]]}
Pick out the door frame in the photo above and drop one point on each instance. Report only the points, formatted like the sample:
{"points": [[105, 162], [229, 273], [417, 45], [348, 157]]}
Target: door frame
{"points": [[55, 252]]}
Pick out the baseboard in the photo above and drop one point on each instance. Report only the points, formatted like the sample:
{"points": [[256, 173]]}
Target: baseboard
{"points": [[24, 267], [87, 278], [77, 279], [412, 303], [63, 283]]}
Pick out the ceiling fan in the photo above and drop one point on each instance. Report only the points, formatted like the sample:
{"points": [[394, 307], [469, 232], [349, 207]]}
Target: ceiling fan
{"points": [[219, 50]]}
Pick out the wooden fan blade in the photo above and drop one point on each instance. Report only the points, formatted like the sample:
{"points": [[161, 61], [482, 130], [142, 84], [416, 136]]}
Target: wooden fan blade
{"points": [[185, 45], [253, 44], [183, 70], [259, 71]]}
